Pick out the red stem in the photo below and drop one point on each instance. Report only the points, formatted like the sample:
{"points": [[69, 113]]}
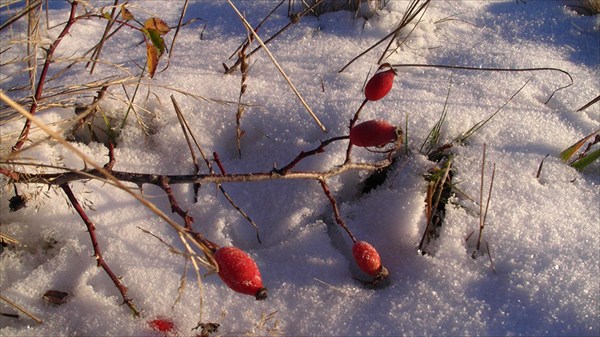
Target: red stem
{"points": [[336, 211], [97, 253], [40, 87]]}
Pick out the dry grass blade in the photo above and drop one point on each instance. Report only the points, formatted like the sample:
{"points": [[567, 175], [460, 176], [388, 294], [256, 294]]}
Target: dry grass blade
{"points": [[116, 182], [186, 131], [409, 16], [445, 66], [463, 136], [31, 6], [483, 212], [590, 103], [439, 187], [21, 309], [257, 37], [98, 48]]}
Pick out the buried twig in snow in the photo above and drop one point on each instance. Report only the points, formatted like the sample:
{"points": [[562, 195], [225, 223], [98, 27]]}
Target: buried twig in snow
{"points": [[439, 188], [539, 171]]}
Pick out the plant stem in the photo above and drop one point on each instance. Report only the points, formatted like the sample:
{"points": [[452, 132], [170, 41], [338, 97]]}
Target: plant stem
{"points": [[97, 253], [40, 87]]}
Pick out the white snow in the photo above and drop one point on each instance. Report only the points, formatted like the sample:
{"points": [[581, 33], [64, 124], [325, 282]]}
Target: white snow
{"points": [[544, 234]]}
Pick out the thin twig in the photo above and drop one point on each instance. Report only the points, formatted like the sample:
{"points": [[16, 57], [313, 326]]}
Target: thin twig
{"points": [[98, 48], [40, 87], [336, 211], [281, 71], [444, 66], [295, 19], [230, 200], [97, 253], [21, 309]]}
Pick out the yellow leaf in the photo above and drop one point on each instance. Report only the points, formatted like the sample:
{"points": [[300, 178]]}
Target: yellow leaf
{"points": [[126, 14], [157, 24], [152, 61]]}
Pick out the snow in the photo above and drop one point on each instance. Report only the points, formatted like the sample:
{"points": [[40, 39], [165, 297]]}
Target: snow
{"points": [[543, 233]]}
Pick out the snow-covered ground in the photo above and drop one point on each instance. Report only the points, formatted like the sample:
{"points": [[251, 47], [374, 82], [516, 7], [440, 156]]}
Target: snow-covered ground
{"points": [[543, 233]]}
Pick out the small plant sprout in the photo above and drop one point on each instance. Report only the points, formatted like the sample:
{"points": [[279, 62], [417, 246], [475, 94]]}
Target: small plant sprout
{"points": [[239, 272], [585, 157]]}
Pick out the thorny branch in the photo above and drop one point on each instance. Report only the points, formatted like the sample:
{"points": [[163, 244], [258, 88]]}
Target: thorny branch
{"points": [[214, 178], [40, 87], [97, 253]]}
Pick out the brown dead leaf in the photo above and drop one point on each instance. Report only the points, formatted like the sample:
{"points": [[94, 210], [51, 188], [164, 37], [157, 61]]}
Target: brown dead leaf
{"points": [[152, 61], [126, 14], [157, 24]]}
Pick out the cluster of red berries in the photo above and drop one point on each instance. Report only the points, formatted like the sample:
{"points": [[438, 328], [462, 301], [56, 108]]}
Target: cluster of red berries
{"points": [[239, 271]]}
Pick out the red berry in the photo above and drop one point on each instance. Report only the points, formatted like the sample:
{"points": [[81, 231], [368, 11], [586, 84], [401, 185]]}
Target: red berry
{"points": [[373, 133], [239, 272], [366, 257], [162, 325], [379, 85]]}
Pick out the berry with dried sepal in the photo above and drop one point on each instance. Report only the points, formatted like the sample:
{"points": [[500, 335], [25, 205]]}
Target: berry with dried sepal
{"points": [[368, 260], [379, 85], [239, 272], [373, 133]]}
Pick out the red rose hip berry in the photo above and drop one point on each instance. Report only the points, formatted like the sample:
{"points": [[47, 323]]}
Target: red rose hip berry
{"points": [[379, 85], [373, 133], [368, 260], [162, 325], [239, 272], [366, 257]]}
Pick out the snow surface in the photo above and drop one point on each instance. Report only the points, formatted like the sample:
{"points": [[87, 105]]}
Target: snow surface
{"points": [[544, 233]]}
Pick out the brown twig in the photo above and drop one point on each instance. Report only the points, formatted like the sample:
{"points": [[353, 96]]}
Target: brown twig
{"points": [[304, 154], [188, 220], [40, 87], [295, 19], [444, 66], [97, 253], [98, 48], [351, 125], [230, 200], [149, 178], [336, 211]]}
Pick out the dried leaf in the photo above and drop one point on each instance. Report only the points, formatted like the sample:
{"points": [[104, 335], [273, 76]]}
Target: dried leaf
{"points": [[56, 297], [158, 25], [126, 14], [152, 61], [156, 39]]}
